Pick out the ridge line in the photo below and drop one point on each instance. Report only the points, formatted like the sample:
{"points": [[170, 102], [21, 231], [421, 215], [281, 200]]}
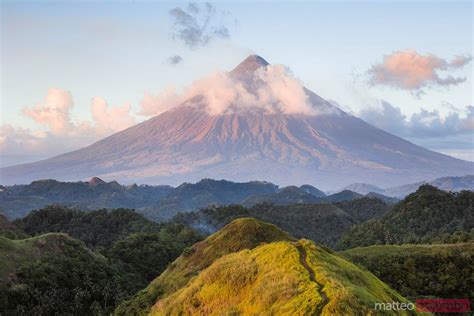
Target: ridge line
{"points": [[320, 287]]}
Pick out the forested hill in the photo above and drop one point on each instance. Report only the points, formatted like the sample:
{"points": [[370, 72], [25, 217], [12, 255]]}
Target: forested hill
{"points": [[80, 263], [428, 215]]}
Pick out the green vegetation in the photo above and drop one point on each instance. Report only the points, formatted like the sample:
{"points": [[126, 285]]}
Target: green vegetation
{"points": [[365, 208], [280, 278], [18, 200], [251, 267], [323, 223], [443, 271], [426, 216], [284, 196], [143, 256], [9, 230], [53, 274], [241, 234], [155, 202], [97, 229], [123, 263], [132, 249]]}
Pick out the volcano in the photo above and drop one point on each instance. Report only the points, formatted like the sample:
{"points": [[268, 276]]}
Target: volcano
{"points": [[323, 146]]}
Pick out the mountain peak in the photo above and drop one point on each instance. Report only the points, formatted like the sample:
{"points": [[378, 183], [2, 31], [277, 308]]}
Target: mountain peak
{"points": [[248, 67], [96, 181]]}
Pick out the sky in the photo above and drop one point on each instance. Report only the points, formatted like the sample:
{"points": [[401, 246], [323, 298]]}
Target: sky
{"points": [[73, 72]]}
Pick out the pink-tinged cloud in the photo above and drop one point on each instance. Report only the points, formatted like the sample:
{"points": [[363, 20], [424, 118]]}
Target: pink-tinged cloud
{"points": [[157, 104], [410, 70], [53, 112], [110, 119], [59, 132]]}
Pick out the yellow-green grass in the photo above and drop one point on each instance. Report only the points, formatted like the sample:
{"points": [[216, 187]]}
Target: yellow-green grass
{"points": [[275, 279], [243, 233], [348, 287], [266, 280]]}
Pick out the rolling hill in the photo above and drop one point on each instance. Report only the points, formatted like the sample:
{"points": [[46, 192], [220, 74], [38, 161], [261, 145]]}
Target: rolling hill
{"points": [[250, 267], [53, 273], [106, 257]]}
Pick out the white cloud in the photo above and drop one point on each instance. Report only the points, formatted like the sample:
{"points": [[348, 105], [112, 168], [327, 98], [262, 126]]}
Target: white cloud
{"points": [[274, 89], [59, 132]]}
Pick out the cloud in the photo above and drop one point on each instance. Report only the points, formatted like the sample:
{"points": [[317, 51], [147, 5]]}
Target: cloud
{"points": [[198, 24], [58, 132], [18, 140], [159, 103], [53, 112], [409, 70], [274, 89], [424, 124], [110, 119], [174, 60]]}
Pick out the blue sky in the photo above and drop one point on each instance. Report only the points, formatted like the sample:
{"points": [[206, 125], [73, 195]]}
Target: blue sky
{"points": [[119, 51]]}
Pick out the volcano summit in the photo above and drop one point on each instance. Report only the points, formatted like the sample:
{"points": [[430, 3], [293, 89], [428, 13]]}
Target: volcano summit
{"points": [[256, 122]]}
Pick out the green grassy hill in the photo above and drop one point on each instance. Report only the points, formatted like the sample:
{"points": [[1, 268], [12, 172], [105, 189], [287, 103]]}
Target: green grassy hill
{"points": [[241, 234], [251, 267], [443, 271], [126, 250], [14, 253], [53, 273]]}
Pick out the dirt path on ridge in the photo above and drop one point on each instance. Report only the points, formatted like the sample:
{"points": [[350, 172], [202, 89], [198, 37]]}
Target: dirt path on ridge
{"points": [[320, 288]]}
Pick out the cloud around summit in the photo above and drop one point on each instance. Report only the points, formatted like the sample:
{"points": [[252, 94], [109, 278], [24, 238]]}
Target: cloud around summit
{"points": [[277, 91]]}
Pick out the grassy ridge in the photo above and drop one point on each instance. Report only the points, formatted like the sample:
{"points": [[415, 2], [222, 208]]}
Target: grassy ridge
{"points": [[14, 253], [248, 282], [250, 267], [244, 233], [271, 279]]}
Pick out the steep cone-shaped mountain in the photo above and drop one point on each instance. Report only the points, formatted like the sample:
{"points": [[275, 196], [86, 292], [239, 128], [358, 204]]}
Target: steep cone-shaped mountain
{"points": [[250, 267], [328, 148], [246, 69]]}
